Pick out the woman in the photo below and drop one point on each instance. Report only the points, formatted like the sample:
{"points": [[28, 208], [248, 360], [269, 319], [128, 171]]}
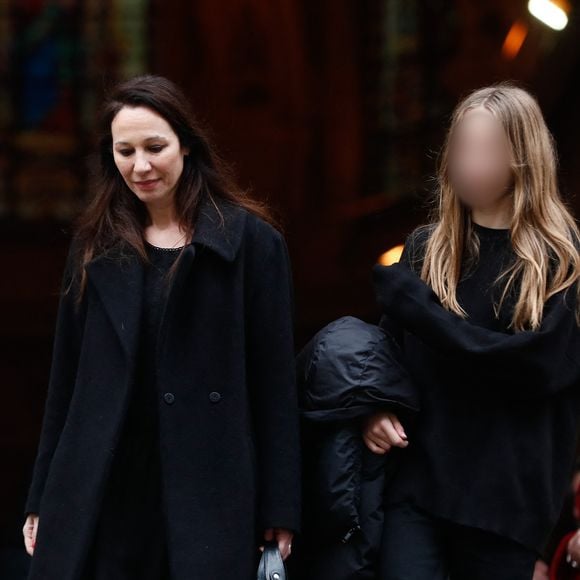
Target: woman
{"points": [[169, 446], [485, 304]]}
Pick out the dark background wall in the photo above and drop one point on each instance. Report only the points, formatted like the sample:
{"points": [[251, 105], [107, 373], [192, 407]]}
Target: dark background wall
{"points": [[332, 110]]}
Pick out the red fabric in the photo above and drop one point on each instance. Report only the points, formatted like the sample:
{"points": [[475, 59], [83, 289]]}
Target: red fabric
{"points": [[559, 568]]}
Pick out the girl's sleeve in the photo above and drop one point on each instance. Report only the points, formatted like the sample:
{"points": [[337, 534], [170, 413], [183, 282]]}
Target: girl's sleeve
{"points": [[524, 364], [412, 250], [65, 356]]}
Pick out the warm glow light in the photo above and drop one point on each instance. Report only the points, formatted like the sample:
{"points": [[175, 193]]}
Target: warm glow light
{"points": [[391, 256], [553, 13], [514, 40]]}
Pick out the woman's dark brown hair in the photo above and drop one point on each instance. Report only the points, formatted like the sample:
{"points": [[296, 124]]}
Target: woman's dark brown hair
{"points": [[115, 214]]}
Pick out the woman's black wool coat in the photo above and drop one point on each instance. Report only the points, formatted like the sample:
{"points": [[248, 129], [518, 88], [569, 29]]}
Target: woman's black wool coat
{"points": [[229, 430]]}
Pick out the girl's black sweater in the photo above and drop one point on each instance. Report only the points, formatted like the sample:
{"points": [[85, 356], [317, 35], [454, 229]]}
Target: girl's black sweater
{"points": [[494, 444]]}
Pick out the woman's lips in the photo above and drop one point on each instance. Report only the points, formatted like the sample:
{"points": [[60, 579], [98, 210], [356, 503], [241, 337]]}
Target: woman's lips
{"points": [[148, 184]]}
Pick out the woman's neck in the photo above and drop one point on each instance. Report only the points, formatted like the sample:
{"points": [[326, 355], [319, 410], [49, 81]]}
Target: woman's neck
{"points": [[164, 228], [162, 216]]}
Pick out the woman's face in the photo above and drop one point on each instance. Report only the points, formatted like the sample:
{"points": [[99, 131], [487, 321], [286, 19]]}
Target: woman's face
{"points": [[148, 154], [480, 159]]}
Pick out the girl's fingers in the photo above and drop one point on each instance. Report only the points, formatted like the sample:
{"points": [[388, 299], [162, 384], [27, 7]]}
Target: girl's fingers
{"points": [[383, 431], [574, 547], [398, 426], [380, 438], [389, 431], [378, 449]]}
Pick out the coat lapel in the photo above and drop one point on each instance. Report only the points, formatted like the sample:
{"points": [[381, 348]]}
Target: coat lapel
{"points": [[118, 275], [118, 279]]}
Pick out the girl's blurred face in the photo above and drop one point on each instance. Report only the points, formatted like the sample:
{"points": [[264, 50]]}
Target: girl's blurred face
{"points": [[479, 159], [147, 154]]}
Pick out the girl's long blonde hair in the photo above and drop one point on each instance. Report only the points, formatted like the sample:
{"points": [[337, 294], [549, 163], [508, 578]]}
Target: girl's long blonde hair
{"points": [[544, 235]]}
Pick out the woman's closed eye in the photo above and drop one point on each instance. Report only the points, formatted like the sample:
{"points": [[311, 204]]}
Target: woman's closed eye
{"points": [[151, 148]]}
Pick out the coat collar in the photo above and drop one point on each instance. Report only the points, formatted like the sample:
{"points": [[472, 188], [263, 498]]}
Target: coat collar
{"points": [[118, 275], [219, 226]]}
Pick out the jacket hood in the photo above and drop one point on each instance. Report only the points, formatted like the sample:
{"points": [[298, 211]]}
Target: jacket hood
{"points": [[349, 369]]}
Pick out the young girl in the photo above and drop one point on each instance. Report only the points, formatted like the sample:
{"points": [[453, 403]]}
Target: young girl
{"points": [[485, 304]]}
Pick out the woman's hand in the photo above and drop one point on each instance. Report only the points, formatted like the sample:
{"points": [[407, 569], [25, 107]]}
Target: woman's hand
{"points": [[283, 537], [29, 532], [382, 431]]}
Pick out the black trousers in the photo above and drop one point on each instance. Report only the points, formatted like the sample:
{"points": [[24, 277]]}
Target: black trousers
{"points": [[419, 546]]}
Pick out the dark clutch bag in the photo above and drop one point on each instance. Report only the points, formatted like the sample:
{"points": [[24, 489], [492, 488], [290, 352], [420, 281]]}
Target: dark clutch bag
{"points": [[271, 564]]}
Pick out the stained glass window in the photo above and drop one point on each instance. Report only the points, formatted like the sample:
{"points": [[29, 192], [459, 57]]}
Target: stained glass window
{"points": [[57, 57]]}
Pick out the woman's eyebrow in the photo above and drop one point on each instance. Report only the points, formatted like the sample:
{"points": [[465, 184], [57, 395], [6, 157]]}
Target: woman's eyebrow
{"points": [[153, 138], [156, 138]]}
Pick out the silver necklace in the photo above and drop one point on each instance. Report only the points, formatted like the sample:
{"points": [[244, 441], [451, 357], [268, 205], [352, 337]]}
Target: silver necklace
{"points": [[171, 248]]}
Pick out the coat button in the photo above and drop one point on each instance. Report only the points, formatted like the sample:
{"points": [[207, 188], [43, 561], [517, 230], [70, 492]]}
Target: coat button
{"points": [[169, 398], [215, 397]]}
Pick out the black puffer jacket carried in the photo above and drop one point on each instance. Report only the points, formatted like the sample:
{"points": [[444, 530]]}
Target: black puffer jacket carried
{"points": [[349, 370]]}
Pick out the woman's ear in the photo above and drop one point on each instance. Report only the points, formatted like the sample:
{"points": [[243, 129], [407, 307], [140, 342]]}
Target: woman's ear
{"points": [[185, 151]]}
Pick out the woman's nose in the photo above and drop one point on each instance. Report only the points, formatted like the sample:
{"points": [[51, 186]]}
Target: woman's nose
{"points": [[142, 164]]}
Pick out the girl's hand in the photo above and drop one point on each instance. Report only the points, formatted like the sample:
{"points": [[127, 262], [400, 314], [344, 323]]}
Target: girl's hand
{"points": [[283, 537], [574, 550], [29, 532], [382, 431]]}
